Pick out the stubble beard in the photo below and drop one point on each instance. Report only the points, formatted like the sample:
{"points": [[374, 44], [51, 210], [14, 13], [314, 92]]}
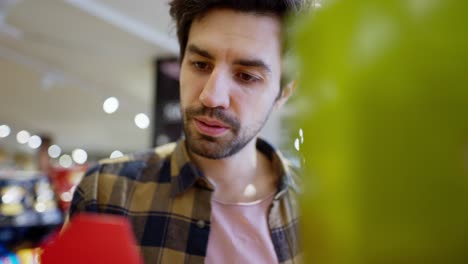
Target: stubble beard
{"points": [[217, 147]]}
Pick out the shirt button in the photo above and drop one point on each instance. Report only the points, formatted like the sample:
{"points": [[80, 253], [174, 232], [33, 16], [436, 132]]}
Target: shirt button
{"points": [[200, 224]]}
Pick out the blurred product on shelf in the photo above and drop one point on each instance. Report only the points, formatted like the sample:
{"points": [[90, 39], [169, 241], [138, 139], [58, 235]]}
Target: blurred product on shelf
{"points": [[16, 160], [28, 209], [22, 256]]}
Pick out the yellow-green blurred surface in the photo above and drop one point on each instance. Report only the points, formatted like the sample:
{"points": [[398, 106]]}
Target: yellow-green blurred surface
{"points": [[383, 99]]}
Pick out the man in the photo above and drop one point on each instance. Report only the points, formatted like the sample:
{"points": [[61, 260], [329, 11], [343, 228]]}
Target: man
{"points": [[221, 195]]}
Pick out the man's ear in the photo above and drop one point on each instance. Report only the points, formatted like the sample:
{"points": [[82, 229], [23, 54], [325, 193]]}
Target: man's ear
{"points": [[287, 91]]}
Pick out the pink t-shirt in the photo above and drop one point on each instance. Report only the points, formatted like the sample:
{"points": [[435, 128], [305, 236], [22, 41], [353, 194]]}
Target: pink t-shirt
{"points": [[239, 233]]}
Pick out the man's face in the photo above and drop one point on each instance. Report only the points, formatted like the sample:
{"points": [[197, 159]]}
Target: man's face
{"points": [[230, 78]]}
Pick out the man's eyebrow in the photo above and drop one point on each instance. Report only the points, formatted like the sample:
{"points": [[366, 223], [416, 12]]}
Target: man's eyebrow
{"points": [[253, 63], [194, 49]]}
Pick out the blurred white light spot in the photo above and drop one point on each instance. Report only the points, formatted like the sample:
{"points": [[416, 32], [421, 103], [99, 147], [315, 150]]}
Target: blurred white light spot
{"points": [[79, 156], [116, 154], [250, 191], [110, 105], [66, 196], [7, 198], [23, 136], [4, 131], [54, 151], [34, 142], [296, 144], [142, 121], [65, 161], [40, 207], [12, 195]]}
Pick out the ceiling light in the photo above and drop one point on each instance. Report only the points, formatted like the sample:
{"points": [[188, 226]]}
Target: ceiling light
{"points": [[65, 161], [34, 142], [4, 131], [79, 156], [142, 121], [54, 151], [23, 136], [110, 105], [116, 154]]}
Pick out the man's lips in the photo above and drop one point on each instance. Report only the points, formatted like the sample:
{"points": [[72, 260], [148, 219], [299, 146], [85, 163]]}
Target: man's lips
{"points": [[210, 127], [211, 122]]}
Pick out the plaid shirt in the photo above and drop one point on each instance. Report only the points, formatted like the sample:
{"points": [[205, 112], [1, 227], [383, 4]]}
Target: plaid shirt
{"points": [[168, 202]]}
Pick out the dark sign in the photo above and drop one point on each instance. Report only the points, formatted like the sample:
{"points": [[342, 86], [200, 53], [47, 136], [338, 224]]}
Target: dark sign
{"points": [[167, 115]]}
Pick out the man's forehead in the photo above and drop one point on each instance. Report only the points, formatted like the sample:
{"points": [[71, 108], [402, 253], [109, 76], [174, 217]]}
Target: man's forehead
{"points": [[230, 10], [244, 24]]}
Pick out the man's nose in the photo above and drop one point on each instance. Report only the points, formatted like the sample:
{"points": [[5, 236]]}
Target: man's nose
{"points": [[216, 92]]}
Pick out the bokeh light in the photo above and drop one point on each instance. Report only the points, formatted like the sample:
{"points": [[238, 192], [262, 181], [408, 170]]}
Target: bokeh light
{"points": [[54, 151], [110, 105], [4, 131], [23, 136], [142, 121], [79, 156], [116, 154], [34, 142], [65, 161]]}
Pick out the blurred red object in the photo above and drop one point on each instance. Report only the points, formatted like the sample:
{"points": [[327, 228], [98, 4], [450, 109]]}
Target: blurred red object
{"points": [[65, 181], [92, 238]]}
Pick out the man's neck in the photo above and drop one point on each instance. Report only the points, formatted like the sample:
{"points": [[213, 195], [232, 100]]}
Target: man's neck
{"points": [[243, 177]]}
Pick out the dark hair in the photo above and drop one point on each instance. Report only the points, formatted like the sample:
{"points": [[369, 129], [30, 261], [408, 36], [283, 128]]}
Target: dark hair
{"points": [[185, 11]]}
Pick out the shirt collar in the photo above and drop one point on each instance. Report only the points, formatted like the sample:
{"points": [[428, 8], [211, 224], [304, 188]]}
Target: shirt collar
{"points": [[184, 173]]}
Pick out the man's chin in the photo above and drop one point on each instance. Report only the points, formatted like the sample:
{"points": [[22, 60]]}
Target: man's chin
{"points": [[208, 148], [209, 139]]}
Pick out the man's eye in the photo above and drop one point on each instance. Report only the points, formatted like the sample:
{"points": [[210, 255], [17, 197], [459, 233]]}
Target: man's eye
{"points": [[245, 77], [202, 66]]}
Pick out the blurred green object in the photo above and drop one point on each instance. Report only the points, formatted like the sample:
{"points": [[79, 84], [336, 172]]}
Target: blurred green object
{"points": [[383, 101]]}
